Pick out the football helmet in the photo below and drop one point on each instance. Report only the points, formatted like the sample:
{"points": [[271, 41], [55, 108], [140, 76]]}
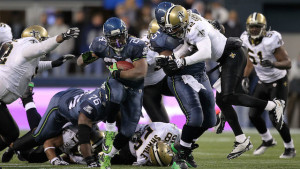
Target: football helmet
{"points": [[160, 13], [5, 33], [36, 31], [176, 21], [97, 140], [153, 27], [256, 25], [116, 33], [161, 154]]}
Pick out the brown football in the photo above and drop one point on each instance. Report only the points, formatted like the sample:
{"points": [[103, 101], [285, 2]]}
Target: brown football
{"points": [[124, 65]]}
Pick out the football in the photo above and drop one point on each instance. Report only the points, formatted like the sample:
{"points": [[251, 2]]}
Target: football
{"points": [[123, 65]]}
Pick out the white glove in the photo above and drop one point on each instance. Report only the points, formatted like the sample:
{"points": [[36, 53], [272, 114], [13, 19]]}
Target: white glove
{"points": [[71, 33], [57, 161]]}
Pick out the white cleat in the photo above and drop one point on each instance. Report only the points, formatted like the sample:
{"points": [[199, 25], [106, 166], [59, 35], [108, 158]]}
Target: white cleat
{"points": [[240, 148], [264, 146]]}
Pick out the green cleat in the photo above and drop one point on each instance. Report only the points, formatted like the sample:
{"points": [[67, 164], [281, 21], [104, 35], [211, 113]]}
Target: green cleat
{"points": [[105, 161], [108, 141]]}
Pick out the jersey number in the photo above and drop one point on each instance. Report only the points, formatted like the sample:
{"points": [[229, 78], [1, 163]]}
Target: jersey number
{"points": [[252, 58], [148, 131], [4, 52]]}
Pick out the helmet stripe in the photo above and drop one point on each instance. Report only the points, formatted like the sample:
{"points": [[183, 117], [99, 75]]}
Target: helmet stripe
{"points": [[155, 149], [168, 14], [254, 17]]}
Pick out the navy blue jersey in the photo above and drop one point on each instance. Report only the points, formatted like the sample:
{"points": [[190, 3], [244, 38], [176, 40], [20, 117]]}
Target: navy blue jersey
{"points": [[73, 101], [160, 42], [134, 50]]}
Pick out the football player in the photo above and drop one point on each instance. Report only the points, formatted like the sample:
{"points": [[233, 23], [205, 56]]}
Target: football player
{"points": [[155, 82], [124, 88], [18, 62], [271, 62], [72, 105], [138, 151], [230, 54], [190, 86]]}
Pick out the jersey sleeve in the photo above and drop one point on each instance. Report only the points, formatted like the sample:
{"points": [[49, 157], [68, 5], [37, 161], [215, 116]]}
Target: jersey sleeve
{"points": [[139, 50], [161, 42], [88, 109], [98, 46], [197, 33], [273, 40]]}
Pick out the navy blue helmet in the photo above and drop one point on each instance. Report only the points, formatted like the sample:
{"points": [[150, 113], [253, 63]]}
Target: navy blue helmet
{"points": [[160, 12], [116, 33]]}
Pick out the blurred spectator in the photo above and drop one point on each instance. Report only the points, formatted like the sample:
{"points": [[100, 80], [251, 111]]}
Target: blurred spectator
{"points": [[208, 15], [64, 48], [188, 4], [131, 29], [145, 19], [219, 13], [44, 21], [200, 6], [294, 92], [17, 24], [94, 29], [232, 27]]}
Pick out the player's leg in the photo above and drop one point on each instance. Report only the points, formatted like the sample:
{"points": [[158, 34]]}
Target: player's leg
{"points": [[116, 94], [152, 102], [9, 130], [189, 102], [131, 109], [33, 116], [280, 91]]}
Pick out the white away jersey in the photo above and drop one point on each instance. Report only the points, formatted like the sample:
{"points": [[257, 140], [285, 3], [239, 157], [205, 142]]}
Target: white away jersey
{"points": [[152, 133], [265, 51], [19, 62], [199, 28], [152, 76]]}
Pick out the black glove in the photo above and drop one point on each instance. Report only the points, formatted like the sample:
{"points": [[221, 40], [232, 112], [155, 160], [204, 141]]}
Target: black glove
{"points": [[91, 162], [267, 63], [245, 84], [161, 61], [62, 60], [71, 33]]}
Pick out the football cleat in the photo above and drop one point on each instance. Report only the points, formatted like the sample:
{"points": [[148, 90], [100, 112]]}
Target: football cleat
{"points": [[220, 123], [278, 112], [108, 141], [288, 153], [105, 161], [187, 157], [240, 148], [264, 146], [8, 155]]}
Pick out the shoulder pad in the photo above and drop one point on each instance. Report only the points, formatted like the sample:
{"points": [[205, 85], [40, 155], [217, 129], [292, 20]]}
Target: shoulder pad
{"points": [[272, 40], [98, 45], [244, 36]]}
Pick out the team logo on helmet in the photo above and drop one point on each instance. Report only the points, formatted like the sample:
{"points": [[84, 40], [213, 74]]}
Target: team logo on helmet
{"points": [[180, 15]]}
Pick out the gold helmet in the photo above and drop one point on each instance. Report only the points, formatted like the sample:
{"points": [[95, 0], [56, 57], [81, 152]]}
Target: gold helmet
{"points": [[256, 25], [153, 27], [161, 154], [36, 31], [176, 21], [97, 140]]}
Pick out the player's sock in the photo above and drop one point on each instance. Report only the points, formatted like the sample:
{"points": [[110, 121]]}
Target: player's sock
{"points": [[110, 126], [240, 138], [289, 145], [25, 142], [266, 136]]}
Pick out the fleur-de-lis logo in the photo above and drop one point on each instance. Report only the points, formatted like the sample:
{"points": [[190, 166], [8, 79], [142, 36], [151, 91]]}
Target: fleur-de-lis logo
{"points": [[180, 15], [34, 33]]}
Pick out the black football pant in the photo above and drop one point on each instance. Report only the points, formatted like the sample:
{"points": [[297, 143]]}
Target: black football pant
{"points": [[9, 130], [269, 91], [152, 101]]}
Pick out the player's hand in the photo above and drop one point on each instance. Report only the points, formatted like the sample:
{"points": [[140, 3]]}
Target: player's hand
{"points": [[71, 33], [175, 64], [161, 61], [57, 161], [245, 84], [267, 63], [114, 71], [62, 60], [91, 162]]}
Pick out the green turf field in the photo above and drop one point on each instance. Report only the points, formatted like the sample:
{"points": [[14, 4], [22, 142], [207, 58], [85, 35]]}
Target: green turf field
{"points": [[212, 154]]}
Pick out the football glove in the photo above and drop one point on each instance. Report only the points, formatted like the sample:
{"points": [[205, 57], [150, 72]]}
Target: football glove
{"points": [[57, 161], [62, 60], [175, 64], [71, 33], [91, 162], [267, 63], [245, 84], [115, 72], [161, 61]]}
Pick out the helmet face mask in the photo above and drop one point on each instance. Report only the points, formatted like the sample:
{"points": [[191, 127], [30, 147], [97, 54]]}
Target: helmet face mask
{"points": [[176, 21], [36, 31], [256, 25], [116, 33]]}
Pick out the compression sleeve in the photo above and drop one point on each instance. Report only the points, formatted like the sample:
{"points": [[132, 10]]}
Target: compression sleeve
{"points": [[44, 65], [203, 53]]}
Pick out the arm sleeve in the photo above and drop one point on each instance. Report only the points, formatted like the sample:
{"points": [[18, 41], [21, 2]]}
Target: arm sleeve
{"points": [[203, 53], [183, 50], [35, 50], [44, 65]]}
